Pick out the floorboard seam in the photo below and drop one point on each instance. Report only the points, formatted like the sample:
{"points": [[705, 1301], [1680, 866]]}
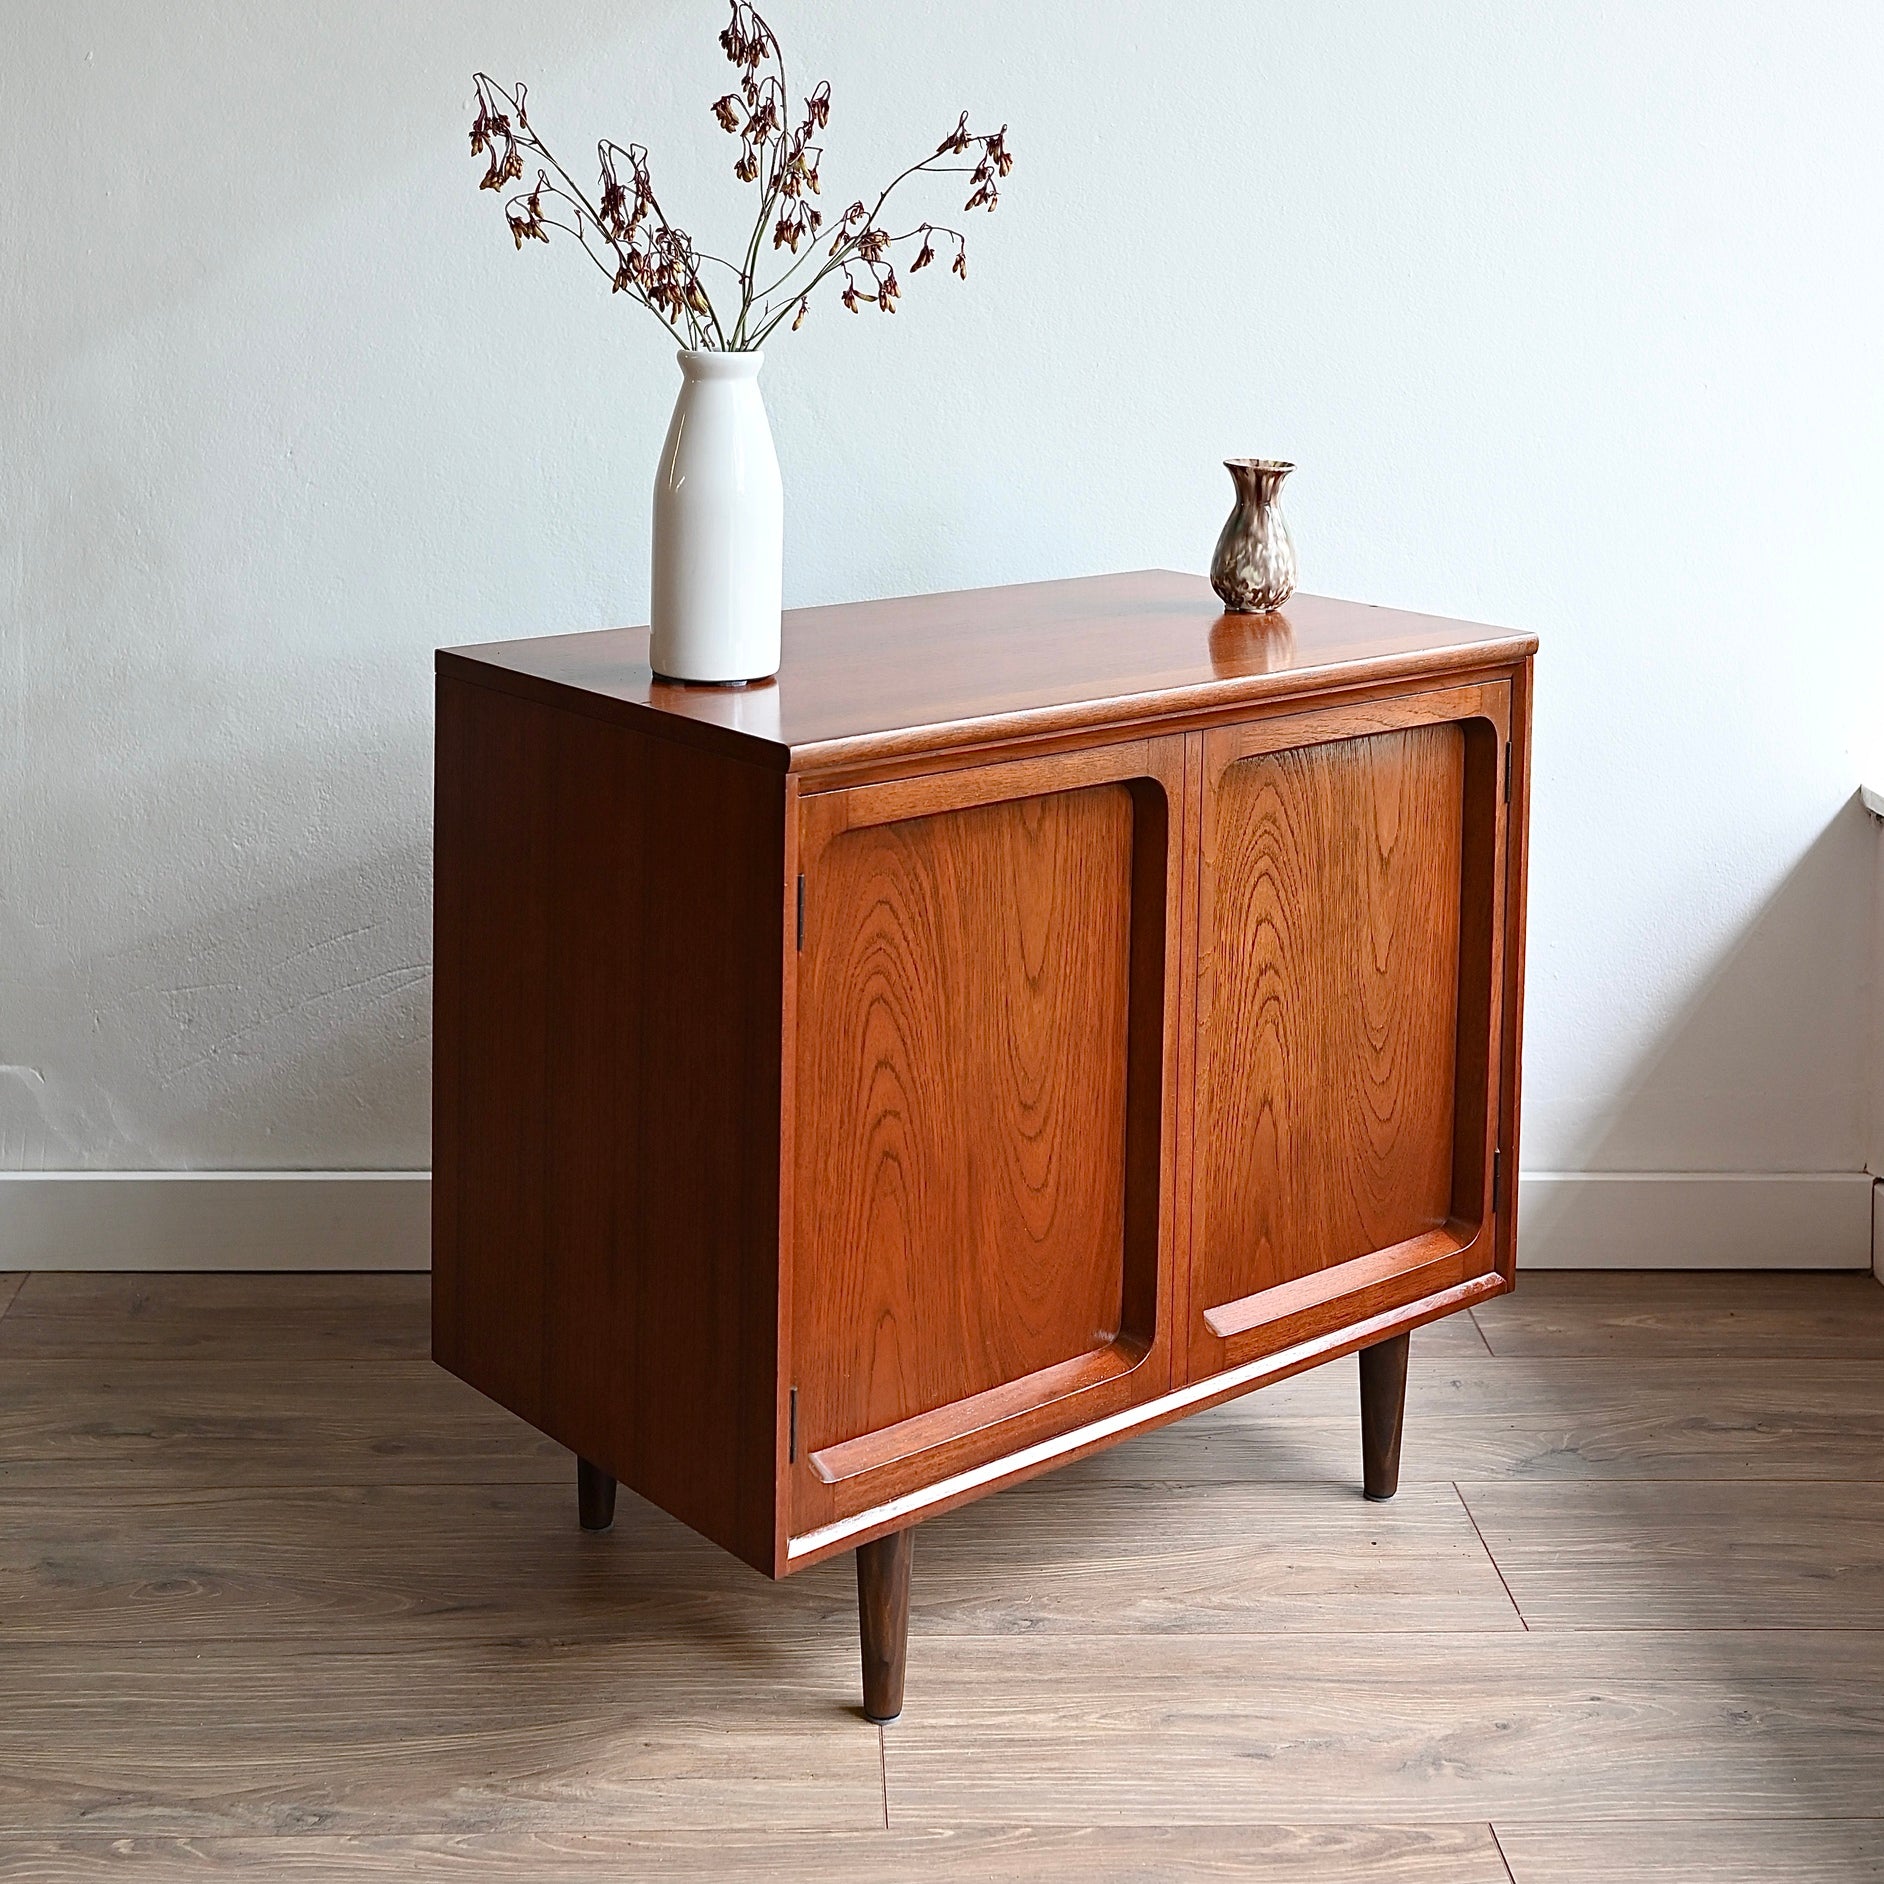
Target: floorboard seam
{"points": [[1574, 1820], [323, 1644], [1492, 1560], [1498, 1846], [1478, 1328], [883, 1772], [1582, 1484]]}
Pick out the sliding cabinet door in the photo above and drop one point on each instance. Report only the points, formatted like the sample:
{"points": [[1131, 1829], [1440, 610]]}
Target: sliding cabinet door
{"points": [[1350, 937], [985, 1067]]}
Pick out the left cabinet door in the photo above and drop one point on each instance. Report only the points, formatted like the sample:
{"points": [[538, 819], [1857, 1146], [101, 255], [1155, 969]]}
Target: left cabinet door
{"points": [[985, 1079]]}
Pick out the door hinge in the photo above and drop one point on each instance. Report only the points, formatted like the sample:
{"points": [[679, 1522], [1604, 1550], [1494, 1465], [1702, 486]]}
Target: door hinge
{"points": [[1507, 777], [801, 910], [1498, 1180], [791, 1419]]}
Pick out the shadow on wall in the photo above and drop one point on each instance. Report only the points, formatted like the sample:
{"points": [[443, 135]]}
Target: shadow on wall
{"points": [[249, 495], [290, 1032], [1763, 1074]]}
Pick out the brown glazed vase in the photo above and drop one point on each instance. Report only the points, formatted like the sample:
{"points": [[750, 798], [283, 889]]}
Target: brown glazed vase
{"points": [[1253, 570]]}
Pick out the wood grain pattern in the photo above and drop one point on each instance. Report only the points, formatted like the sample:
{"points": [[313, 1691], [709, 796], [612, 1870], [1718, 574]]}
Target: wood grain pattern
{"points": [[1327, 1014], [1665, 1314], [995, 1854], [875, 681], [928, 1496], [1540, 1421], [430, 1565], [423, 1564], [1422, 1264], [1698, 1851], [963, 1029], [1689, 1555], [209, 1422], [844, 1087], [606, 1188], [985, 1097], [339, 1655], [465, 1738], [1540, 1726], [1061, 1557], [247, 1317]]}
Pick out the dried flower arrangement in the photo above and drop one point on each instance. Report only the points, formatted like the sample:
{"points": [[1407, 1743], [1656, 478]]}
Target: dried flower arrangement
{"points": [[626, 233]]}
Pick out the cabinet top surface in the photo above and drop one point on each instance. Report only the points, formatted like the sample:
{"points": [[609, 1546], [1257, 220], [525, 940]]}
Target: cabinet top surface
{"points": [[862, 680]]}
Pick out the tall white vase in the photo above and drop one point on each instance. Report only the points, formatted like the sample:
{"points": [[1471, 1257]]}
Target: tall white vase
{"points": [[719, 527]]}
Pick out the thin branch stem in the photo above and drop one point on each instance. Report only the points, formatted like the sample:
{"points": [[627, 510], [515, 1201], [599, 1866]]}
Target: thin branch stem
{"points": [[658, 264], [927, 165]]}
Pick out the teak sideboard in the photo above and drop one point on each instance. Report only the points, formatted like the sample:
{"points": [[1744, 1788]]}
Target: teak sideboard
{"points": [[1038, 1014]]}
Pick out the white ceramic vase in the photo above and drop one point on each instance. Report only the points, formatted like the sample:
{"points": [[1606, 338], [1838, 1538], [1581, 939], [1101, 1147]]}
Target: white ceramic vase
{"points": [[719, 527]]}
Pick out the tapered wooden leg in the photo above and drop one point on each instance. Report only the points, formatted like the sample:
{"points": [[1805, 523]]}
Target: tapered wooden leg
{"points": [[1383, 1405], [883, 1621], [595, 1496]]}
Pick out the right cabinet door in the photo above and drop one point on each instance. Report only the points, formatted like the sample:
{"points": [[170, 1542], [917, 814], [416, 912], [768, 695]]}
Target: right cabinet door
{"points": [[1350, 901]]}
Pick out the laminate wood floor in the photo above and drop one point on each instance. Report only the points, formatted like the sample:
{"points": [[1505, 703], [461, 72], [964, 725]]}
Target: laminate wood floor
{"points": [[280, 1599]]}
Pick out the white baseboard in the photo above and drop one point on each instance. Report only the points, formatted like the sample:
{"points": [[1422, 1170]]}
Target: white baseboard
{"points": [[381, 1220], [215, 1220], [1694, 1220]]}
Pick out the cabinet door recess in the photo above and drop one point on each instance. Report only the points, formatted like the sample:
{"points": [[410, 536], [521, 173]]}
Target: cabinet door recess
{"points": [[980, 1043], [1348, 927]]}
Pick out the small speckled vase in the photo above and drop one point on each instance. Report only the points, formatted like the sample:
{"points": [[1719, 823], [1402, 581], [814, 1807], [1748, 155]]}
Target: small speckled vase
{"points": [[1253, 570]]}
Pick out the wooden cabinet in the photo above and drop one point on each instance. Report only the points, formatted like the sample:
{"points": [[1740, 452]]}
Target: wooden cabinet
{"points": [[1039, 1013]]}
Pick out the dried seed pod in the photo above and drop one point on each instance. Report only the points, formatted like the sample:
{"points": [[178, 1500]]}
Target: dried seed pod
{"points": [[625, 231]]}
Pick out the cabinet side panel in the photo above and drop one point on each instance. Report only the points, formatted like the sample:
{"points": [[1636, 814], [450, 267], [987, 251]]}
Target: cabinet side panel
{"points": [[490, 1050], [609, 1012], [1329, 1052]]}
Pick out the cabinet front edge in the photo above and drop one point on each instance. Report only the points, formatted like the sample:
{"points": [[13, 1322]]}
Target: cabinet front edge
{"points": [[1030, 1461], [838, 765]]}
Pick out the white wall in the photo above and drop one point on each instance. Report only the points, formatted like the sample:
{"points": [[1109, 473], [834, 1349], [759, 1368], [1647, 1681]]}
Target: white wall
{"points": [[1568, 312]]}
